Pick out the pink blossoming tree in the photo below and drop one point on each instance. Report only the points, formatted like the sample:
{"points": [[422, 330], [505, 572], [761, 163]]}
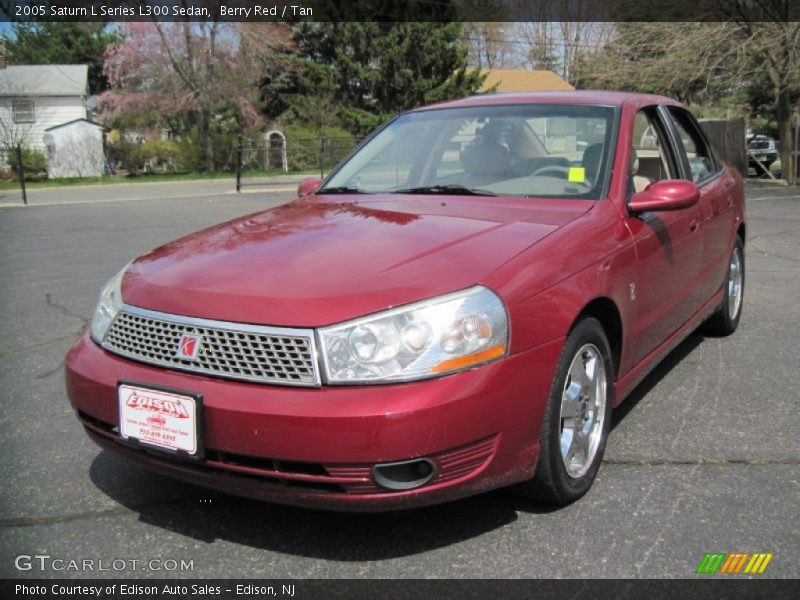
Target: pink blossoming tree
{"points": [[198, 74]]}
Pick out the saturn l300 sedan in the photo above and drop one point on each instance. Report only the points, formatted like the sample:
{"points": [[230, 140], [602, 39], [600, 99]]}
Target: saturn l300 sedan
{"points": [[458, 307]]}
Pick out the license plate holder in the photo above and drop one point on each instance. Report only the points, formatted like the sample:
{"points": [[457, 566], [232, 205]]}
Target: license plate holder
{"points": [[161, 419]]}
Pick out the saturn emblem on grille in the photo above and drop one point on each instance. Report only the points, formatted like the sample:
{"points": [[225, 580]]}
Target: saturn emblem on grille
{"points": [[189, 346]]}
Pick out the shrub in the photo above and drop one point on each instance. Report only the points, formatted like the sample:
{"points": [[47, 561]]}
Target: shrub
{"points": [[224, 150], [34, 162], [157, 157], [190, 157]]}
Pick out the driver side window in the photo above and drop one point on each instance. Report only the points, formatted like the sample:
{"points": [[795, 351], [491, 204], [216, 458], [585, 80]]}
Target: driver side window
{"points": [[649, 160]]}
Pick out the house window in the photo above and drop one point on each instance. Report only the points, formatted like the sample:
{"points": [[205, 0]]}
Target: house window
{"points": [[23, 111]]}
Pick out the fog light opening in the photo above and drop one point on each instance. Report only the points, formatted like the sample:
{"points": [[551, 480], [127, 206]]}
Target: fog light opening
{"points": [[404, 475]]}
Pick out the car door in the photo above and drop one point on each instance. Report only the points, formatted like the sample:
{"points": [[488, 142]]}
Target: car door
{"points": [[717, 212], [668, 244]]}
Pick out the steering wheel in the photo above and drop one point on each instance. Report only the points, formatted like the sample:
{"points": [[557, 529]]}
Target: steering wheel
{"points": [[559, 171]]}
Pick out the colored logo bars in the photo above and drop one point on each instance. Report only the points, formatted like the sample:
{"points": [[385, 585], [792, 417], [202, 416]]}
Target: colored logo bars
{"points": [[734, 563]]}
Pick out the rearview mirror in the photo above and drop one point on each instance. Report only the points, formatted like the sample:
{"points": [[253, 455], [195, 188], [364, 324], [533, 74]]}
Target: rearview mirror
{"points": [[669, 194], [308, 186]]}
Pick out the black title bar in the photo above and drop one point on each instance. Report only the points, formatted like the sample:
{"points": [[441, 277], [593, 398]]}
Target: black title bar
{"points": [[397, 11], [731, 588]]}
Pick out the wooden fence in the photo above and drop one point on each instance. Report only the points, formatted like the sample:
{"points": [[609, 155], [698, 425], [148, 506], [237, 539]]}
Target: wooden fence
{"points": [[727, 136]]}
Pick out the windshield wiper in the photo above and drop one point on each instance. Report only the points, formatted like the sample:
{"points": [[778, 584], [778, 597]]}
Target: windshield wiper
{"points": [[455, 189], [341, 189]]}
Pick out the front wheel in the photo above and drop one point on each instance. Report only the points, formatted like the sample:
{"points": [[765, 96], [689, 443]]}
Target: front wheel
{"points": [[577, 418], [726, 319]]}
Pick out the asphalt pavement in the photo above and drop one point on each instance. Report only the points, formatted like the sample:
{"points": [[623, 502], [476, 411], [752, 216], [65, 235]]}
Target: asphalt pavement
{"points": [[705, 457]]}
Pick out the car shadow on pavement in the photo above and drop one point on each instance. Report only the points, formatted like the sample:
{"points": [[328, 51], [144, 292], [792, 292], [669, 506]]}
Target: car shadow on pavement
{"points": [[684, 349], [208, 516]]}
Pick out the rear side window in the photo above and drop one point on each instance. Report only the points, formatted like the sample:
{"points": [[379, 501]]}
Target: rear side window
{"points": [[698, 153]]}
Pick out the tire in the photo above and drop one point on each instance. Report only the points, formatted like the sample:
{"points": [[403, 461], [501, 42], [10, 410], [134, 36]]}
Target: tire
{"points": [[726, 319], [559, 479]]}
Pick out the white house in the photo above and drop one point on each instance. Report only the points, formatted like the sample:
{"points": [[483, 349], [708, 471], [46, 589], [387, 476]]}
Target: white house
{"points": [[36, 99]]}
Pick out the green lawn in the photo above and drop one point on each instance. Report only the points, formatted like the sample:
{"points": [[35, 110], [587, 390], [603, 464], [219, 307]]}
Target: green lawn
{"points": [[13, 184]]}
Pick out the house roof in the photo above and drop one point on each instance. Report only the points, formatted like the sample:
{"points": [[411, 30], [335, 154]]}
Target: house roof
{"points": [[95, 123], [514, 80], [44, 80]]}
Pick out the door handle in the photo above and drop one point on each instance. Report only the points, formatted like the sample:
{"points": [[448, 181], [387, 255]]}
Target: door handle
{"points": [[694, 225]]}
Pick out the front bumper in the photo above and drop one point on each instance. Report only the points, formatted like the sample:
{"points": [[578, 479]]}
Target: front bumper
{"points": [[316, 447]]}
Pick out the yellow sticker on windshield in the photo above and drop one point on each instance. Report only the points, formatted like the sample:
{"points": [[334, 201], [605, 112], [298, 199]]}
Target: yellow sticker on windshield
{"points": [[576, 175]]}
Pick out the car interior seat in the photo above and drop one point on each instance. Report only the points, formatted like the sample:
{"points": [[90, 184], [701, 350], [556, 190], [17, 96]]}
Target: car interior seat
{"points": [[485, 162], [591, 161], [640, 182]]}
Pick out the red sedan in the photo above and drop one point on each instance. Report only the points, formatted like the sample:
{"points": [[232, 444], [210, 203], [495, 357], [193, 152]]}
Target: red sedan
{"points": [[458, 307]]}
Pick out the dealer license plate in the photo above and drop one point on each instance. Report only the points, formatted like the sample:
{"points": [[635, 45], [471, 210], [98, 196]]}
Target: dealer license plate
{"points": [[160, 418]]}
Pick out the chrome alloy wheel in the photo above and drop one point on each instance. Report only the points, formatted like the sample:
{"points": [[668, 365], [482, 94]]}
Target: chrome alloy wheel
{"points": [[583, 410], [735, 283]]}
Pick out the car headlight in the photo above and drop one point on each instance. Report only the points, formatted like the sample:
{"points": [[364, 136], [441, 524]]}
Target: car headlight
{"points": [[108, 306], [416, 341]]}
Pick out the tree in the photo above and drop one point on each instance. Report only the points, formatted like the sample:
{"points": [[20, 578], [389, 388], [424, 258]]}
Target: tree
{"points": [[661, 58], [65, 44], [559, 33], [490, 46], [200, 75], [374, 69], [755, 50], [770, 52]]}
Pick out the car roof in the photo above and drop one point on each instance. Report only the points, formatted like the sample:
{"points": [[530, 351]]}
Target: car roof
{"points": [[561, 97]]}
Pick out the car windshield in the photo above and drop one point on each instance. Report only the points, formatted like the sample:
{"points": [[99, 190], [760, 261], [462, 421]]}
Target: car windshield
{"points": [[555, 151], [759, 145]]}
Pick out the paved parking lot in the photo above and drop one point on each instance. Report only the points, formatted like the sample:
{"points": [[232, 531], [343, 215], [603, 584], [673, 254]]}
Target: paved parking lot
{"points": [[705, 457]]}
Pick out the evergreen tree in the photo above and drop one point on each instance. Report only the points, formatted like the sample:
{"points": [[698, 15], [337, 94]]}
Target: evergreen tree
{"points": [[63, 44], [372, 69]]}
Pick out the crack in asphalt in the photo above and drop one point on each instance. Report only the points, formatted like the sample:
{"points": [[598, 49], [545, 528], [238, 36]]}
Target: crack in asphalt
{"points": [[35, 346], [66, 311], [80, 516], [756, 247], [673, 511], [17, 522], [766, 235]]}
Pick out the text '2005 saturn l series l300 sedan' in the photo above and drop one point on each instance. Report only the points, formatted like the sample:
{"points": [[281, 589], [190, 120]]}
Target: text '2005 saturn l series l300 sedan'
{"points": [[457, 308]]}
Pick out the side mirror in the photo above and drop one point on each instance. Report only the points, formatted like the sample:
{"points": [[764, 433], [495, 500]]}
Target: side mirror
{"points": [[669, 194], [308, 186]]}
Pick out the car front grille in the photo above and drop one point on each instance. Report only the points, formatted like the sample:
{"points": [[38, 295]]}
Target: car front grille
{"points": [[230, 350]]}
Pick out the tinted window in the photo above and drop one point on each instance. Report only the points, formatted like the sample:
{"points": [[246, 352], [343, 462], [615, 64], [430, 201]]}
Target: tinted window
{"points": [[698, 153], [521, 150]]}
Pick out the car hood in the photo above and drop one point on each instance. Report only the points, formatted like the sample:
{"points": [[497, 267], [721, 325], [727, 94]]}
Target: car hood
{"points": [[314, 261]]}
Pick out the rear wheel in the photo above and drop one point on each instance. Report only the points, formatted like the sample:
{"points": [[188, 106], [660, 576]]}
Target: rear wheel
{"points": [[726, 319], [577, 418]]}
